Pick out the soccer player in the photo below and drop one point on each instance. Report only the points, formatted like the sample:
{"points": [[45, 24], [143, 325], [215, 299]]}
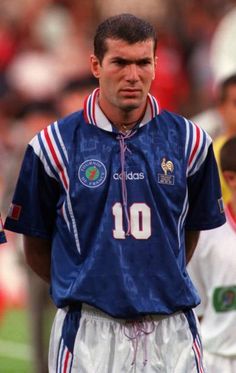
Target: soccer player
{"points": [[213, 271], [110, 201], [227, 109]]}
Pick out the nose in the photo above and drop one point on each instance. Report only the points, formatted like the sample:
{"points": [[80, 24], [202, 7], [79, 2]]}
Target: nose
{"points": [[132, 73]]}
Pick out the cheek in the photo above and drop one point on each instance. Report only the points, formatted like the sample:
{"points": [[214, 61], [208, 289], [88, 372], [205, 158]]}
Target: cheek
{"points": [[148, 76], [108, 86]]}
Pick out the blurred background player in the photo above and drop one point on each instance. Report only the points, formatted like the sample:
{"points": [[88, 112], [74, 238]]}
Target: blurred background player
{"points": [[227, 109], [213, 271], [32, 117]]}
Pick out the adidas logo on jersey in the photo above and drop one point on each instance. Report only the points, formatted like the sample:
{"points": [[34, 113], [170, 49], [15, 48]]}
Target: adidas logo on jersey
{"points": [[129, 176]]}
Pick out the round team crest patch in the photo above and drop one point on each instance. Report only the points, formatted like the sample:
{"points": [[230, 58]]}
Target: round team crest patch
{"points": [[92, 173]]}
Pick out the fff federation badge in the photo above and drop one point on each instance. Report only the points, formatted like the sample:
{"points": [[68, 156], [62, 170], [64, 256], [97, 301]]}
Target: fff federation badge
{"points": [[92, 173], [165, 178]]}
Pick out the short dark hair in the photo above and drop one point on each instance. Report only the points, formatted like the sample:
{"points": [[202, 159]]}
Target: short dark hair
{"points": [[227, 155], [126, 27], [224, 86]]}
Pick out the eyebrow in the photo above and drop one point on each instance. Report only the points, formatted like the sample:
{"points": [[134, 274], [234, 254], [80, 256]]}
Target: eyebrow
{"points": [[128, 61]]}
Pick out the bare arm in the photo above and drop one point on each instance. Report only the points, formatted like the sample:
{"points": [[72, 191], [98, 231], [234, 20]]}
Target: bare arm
{"points": [[191, 239], [38, 256]]}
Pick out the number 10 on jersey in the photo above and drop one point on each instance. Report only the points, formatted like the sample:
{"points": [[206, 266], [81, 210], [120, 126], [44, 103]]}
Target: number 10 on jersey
{"points": [[140, 221]]}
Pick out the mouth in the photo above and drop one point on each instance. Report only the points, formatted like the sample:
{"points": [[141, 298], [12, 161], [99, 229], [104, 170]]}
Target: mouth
{"points": [[130, 92], [130, 89]]}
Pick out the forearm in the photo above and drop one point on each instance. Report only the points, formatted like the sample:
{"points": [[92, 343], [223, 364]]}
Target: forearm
{"points": [[191, 239], [38, 256]]}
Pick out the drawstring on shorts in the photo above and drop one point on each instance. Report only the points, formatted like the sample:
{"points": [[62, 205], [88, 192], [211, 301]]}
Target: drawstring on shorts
{"points": [[134, 330]]}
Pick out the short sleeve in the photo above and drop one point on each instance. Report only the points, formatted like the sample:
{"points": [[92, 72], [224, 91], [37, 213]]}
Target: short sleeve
{"points": [[33, 208], [205, 201]]}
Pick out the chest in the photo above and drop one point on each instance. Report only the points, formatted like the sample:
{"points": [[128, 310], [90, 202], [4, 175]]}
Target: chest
{"points": [[147, 172]]}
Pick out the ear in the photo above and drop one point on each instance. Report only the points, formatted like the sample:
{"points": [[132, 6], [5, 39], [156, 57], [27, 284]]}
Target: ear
{"points": [[155, 67], [95, 66], [230, 179]]}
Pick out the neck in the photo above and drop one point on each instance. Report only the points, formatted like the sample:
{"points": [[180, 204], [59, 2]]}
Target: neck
{"points": [[123, 120], [125, 126]]}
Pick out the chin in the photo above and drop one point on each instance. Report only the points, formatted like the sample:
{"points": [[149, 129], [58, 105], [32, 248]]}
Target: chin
{"points": [[130, 107], [130, 104]]}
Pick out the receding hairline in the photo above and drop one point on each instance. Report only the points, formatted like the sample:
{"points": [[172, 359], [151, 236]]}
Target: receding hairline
{"points": [[129, 42], [126, 27]]}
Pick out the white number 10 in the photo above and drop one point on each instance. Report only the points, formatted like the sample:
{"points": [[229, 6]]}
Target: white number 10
{"points": [[140, 221]]}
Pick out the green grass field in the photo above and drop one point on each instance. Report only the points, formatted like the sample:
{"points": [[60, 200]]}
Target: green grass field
{"points": [[15, 354]]}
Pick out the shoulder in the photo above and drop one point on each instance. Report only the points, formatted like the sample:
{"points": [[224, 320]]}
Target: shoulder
{"points": [[183, 124], [171, 118], [171, 125], [71, 121], [196, 140], [60, 130]]}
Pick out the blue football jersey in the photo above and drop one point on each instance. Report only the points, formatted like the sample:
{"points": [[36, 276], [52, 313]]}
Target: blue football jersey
{"points": [[116, 206]]}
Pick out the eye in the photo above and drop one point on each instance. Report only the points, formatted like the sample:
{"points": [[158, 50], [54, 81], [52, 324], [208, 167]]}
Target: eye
{"points": [[120, 62], [143, 62]]}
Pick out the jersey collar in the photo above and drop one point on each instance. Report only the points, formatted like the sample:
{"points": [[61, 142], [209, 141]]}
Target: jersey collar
{"points": [[94, 115]]}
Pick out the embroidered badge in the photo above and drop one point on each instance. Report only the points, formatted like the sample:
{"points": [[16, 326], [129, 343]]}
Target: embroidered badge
{"points": [[92, 173], [224, 299], [165, 178]]}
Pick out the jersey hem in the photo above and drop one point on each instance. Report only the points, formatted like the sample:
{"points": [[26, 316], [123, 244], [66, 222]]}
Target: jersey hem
{"points": [[205, 227], [27, 232]]}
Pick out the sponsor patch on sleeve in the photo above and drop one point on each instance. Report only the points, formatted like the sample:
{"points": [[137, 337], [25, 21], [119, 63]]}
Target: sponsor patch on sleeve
{"points": [[14, 212], [221, 205]]}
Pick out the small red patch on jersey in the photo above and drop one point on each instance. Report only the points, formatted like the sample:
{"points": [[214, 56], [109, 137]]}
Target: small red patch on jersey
{"points": [[14, 212]]}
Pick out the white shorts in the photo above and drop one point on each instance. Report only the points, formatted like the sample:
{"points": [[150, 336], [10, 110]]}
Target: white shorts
{"points": [[89, 341], [219, 364]]}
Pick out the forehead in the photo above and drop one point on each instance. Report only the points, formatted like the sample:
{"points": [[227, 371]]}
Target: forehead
{"points": [[123, 49]]}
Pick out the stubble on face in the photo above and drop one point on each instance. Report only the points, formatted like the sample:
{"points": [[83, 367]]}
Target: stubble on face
{"points": [[125, 76]]}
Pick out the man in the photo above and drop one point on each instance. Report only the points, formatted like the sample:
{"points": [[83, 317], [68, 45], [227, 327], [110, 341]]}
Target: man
{"points": [[33, 116], [227, 110], [213, 271], [105, 199]]}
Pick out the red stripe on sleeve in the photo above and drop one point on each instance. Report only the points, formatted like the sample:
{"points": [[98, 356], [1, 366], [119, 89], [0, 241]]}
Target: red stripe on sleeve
{"points": [[196, 144], [59, 166]]}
